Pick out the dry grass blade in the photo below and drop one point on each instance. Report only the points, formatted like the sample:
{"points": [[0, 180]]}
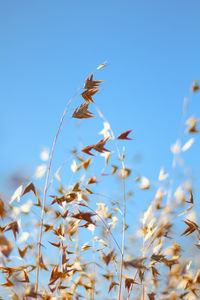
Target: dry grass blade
{"points": [[69, 197], [87, 150], [129, 282], [90, 83], [100, 145], [87, 95], [192, 123], [137, 263], [23, 252], [14, 227], [103, 65], [155, 272], [86, 216], [26, 278], [157, 257], [124, 135], [2, 209], [92, 180], [30, 187], [107, 258], [113, 284], [192, 226], [151, 296], [191, 200], [195, 86], [8, 283], [82, 112], [5, 246]]}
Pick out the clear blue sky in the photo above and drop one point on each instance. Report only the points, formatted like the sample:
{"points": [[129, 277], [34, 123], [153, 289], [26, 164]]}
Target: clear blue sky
{"points": [[49, 47]]}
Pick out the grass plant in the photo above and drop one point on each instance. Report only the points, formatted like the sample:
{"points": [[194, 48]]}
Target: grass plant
{"points": [[77, 243]]}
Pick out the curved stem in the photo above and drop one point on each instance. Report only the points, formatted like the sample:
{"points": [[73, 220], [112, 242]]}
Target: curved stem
{"points": [[45, 190]]}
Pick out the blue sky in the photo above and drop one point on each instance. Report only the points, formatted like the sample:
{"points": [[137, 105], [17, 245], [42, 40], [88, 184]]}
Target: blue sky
{"points": [[47, 50]]}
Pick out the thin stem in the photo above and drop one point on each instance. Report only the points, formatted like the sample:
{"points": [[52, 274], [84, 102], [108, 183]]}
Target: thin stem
{"points": [[45, 190], [124, 210], [61, 166], [94, 265], [123, 241], [106, 226], [132, 286], [143, 292]]}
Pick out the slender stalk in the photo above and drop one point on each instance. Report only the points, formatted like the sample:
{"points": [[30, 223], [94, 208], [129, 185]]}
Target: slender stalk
{"points": [[45, 190], [124, 219], [106, 226], [132, 286], [124, 210], [94, 265], [61, 166], [143, 292], [123, 242]]}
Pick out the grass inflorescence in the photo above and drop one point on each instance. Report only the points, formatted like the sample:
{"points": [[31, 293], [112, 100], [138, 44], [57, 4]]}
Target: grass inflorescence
{"points": [[73, 241]]}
